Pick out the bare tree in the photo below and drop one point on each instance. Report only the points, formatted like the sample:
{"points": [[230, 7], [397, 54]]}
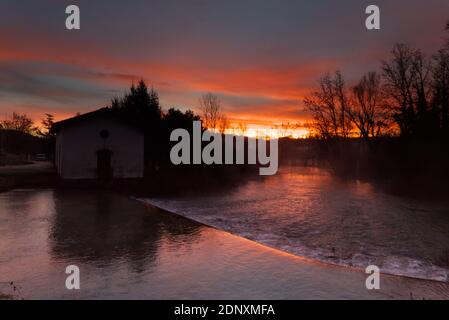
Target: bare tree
{"points": [[18, 122], [366, 110], [407, 84], [211, 113], [285, 129], [342, 105], [328, 105], [440, 87], [240, 128], [223, 123], [422, 88]]}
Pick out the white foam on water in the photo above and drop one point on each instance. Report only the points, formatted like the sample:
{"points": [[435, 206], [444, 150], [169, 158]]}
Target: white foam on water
{"points": [[401, 266], [310, 215]]}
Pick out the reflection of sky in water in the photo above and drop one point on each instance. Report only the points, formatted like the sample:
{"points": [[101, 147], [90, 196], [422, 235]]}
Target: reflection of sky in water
{"points": [[125, 250], [307, 212]]}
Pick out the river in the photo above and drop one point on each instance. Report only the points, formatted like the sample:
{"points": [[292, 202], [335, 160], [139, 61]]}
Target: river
{"points": [[125, 249], [308, 212]]}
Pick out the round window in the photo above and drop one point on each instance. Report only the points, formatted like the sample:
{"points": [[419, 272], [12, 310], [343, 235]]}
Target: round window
{"points": [[104, 134]]}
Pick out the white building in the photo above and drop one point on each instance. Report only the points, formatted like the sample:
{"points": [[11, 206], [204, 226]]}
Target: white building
{"points": [[98, 144]]}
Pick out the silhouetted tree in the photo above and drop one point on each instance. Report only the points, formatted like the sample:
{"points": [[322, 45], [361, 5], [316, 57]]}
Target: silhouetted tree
{"points": [[411, 94], [223, 125], [140, 106], [175, 118], [240, 128], [426, 125], [398, 75], [366, 110], [48, 141], [18, 122], [440, 87], [407, 84], [46, 125], [343, 104], [285, 129], [328, 104], [212, 113]]}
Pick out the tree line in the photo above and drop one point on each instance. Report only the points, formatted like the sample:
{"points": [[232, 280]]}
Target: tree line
{"points": [[141, 106], [21, 122], [408, 97]]}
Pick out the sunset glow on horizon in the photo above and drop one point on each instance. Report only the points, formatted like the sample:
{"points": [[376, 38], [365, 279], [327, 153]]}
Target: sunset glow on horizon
{"points": [[269, 130], [260, 59]]}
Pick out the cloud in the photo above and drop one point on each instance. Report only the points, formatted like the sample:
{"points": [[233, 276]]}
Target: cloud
{"points": [[259, 57]]}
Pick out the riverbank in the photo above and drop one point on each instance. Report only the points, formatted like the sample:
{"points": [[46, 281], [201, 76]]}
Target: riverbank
{"points": [[171, 180], [127, 250], [30, 175], [405, 164]]}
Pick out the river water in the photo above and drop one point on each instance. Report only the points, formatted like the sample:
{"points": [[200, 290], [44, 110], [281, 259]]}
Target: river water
{"points": [[308, 212], [125, 249]]}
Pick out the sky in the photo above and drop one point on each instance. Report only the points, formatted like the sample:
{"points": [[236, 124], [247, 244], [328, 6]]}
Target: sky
{"points": [[260, 57]]}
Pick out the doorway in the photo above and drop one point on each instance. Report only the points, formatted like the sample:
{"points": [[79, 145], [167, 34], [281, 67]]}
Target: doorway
{"points": [[104, 166]]}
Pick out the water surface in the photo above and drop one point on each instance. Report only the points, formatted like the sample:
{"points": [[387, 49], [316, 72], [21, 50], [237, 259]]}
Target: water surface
{"points": [[129, 251], [307, 212]]}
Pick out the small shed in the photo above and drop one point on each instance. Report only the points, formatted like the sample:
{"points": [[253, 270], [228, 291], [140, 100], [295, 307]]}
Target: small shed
{"points": [[98, 144]]}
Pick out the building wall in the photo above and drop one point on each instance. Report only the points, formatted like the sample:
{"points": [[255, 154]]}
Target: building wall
{"points": [[77, 145]]}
